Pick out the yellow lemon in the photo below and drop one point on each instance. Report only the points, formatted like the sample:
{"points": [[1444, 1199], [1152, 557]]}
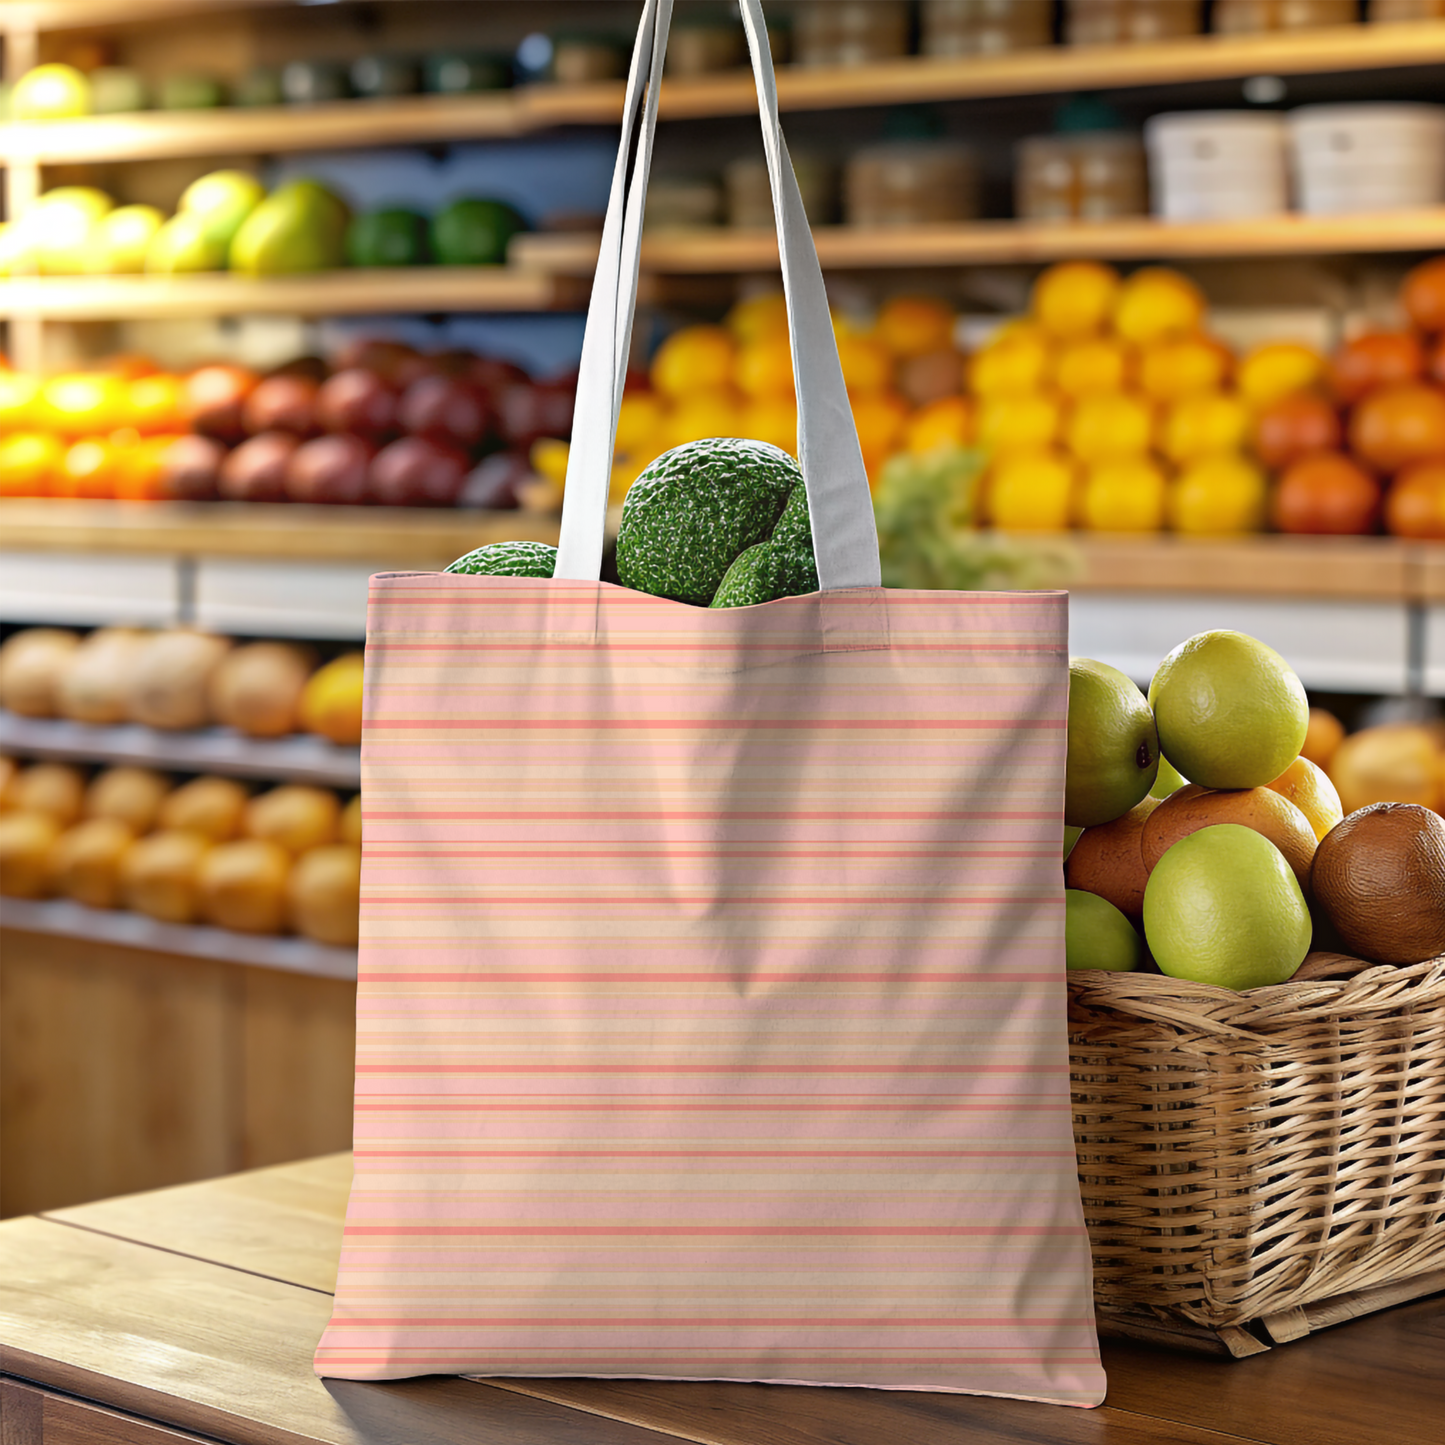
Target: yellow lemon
{"points": [[1218, 496], [1200, 426], [1018, 359], [549, 458], [1157, 302], [772, 419], [915, 325], [944, 423], [331, 700], [1123, 494], [879, 417], [623, 476], [1277, 370], [1017, 422], [702, 415], [765, 367], [1111, 424], [697, 358], [758, 317], [1182, 366], [1031, 492], [867, 364], [1095, 364], [639, 424], [1075, 298]]}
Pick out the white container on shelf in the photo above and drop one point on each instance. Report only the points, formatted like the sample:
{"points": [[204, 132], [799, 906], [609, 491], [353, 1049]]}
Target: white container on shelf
{"points": [[1367, 157], [1217, 165]]}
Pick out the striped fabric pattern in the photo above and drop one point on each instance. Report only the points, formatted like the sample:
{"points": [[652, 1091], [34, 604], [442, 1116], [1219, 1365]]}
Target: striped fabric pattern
{"points": [[711, 1006]]}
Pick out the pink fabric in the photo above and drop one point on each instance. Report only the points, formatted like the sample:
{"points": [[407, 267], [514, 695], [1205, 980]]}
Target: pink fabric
{"points": [[711, 1008]]}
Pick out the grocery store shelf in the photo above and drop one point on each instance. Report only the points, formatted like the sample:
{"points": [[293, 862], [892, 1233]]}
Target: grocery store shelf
{"points": [[385, 537], [63, 919], [331, 293], [298, 759], [1004, 242], [418, 119]]}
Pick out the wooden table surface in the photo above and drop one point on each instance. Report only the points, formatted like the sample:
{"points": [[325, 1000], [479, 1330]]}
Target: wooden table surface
{"points": [[192, 1312]]}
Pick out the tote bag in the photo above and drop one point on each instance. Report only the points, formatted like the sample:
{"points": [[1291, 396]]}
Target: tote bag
{"points": [[711, 1009]]}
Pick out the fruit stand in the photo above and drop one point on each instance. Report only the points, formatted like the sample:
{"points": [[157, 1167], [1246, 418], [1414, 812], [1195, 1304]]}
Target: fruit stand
{"points": [[1194, 422]]}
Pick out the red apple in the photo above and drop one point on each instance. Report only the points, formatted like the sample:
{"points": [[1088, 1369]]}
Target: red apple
{"points": [[191, 468], [418, 472], [330, 469], [447, 409], [530, 411], [374, 354], [215, 398], [358, 401], [492, 484], [313, 368], [282, 403], [256, 470], [495, 375]]}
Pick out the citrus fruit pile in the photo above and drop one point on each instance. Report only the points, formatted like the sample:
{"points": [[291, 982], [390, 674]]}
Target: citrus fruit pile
{"points": [[1399, 762], [1232, 878], [202, 851]]}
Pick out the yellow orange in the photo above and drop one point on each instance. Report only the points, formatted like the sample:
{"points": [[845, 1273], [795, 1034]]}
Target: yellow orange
{"points": [[1218, 496], [1095, 364], [1203, 425], [1156, 302], [703, 414], [88, 469], [697, 358], [1271, 372], [82, 403], [1323, 738], [1018, 359], [639, 424], [1123, 494], [139, 466], [19, 395], [1075, 298], [331, 700], [1031, 492], [1027, 421], [156, 404], [29, 463], [915, 325], [624, 473], [867, 364], [765, 367], [1308, 787], [772, 419], [879, 417], [549, 458], [1181, 366], [947, 422], [1110, 424], [758, 316]]}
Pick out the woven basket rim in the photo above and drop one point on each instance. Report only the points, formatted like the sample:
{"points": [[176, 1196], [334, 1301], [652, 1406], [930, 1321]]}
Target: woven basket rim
{"points": [[1327, 985]]}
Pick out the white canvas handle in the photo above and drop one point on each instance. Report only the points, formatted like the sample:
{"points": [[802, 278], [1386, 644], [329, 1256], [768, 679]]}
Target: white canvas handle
{"points": [[845, 539]]}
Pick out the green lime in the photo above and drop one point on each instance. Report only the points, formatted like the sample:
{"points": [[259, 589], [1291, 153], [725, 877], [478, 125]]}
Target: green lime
{"points": [[1169, 781], [1097, 935], [1231, 712], [1223, 907], [390, 237], [474, 232], [1113, 747]]}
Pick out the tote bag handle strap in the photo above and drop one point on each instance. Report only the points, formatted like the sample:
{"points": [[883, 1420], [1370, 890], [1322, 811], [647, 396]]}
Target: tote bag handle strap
{"points": [[845, 538]]}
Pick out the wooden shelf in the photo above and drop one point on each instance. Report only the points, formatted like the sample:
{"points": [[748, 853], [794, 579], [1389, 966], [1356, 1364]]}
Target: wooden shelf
{"points": [[1005, 242], [328, 293], [61, 918], [298, 759], [419, 119], [396, 537]]}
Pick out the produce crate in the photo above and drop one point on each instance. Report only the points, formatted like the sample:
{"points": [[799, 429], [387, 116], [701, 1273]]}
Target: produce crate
{"points": [[1255, 1166]]}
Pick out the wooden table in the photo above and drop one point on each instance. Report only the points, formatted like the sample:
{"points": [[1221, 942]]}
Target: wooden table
{"points": [[191, 1313]]}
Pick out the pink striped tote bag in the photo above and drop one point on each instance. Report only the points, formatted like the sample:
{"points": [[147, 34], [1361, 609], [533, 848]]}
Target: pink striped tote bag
{"points": [[711, 1006]]}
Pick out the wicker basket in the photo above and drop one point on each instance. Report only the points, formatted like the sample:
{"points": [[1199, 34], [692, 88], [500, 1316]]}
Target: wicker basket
{"points": [[1274, 1158]]}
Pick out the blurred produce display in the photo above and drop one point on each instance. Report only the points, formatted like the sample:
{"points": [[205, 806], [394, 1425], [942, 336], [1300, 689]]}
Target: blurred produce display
{"points": [[226, 220], [1389, 763], [179, 680], [383, 423], [200, 851]]}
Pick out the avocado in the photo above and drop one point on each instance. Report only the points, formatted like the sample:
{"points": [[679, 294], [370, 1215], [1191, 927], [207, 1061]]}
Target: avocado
{"points": [[392, 236], [508, 559], [474, 232], [783, 566]]}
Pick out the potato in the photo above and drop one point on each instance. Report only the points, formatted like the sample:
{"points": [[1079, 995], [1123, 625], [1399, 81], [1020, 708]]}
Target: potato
{"points": [[257, 689], [243, 886], [54, 788], [323, 894], [96, 686], [159, 876], [295, 816], [331, 703], [25, 843], [172, 677], [213, 807], [348, 830], [85, 861], [33, 664], [134, 795]]}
